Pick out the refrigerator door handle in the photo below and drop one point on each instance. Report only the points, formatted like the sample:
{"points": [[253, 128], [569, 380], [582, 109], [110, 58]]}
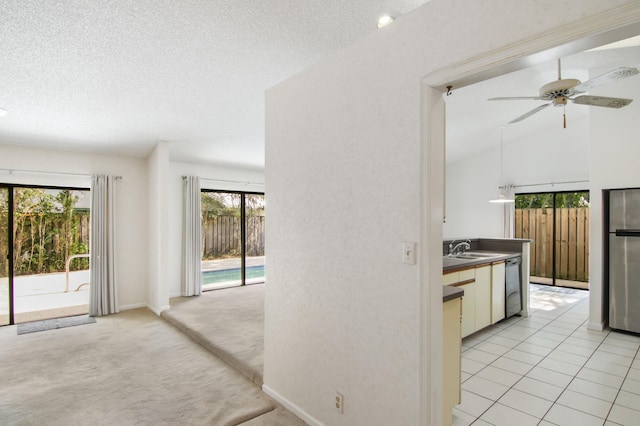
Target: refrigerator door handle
{"points": [[627, 232]]}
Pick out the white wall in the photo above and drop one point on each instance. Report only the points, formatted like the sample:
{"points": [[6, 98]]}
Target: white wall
{"points": [[149, 204], [549, 155], [211, 177], [343, 191], [131, 235], [158, 228], [614, 164]]}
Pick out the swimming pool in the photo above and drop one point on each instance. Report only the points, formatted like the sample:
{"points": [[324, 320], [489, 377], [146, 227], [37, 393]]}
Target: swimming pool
{"points": [[224, 275]]}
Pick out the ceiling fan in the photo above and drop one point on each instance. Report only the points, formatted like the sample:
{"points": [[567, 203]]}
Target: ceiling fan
{"points": [[561, 91]]}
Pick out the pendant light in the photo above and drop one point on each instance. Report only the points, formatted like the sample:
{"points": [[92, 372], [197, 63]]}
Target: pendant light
{"points": [[501, 198]]}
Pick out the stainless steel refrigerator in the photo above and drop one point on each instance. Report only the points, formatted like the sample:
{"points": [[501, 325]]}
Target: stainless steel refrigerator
{"points": [[624, 259]]}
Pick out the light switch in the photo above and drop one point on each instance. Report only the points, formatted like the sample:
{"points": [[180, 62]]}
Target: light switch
{"points": [[409, 253]]}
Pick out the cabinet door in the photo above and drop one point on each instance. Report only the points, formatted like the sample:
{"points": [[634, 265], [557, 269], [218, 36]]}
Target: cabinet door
{"points": [[468, 309], [497, 292], [483, 297], [450, 358]]}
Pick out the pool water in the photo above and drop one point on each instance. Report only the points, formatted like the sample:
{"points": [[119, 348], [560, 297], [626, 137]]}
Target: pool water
{"points": [[224, 275]]}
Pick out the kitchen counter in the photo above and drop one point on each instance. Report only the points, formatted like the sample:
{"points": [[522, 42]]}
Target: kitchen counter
{"points": [[450, 293], [452, 264]]}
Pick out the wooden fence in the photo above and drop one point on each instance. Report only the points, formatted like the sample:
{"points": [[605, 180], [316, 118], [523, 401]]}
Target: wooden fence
{"points": [[221, 237], [571, 242]]}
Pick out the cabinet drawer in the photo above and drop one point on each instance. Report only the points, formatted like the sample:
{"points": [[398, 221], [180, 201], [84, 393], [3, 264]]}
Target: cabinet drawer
{"points": [[468, 274], [453, 278]]}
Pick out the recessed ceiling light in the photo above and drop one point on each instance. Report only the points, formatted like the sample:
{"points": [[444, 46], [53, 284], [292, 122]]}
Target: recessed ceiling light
{"points": [[3, 112], [385, 20]]}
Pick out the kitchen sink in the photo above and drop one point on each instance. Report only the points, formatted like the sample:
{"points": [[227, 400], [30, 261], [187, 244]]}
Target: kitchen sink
{"points": [[473, 255], [468, 256]]}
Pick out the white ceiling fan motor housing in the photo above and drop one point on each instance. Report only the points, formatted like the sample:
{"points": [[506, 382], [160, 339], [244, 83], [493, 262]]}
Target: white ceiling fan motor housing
{"points": [[559, 88]]}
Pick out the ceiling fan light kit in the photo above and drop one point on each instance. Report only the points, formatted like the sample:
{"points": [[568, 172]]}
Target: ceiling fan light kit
{"points": [[561, 91]]}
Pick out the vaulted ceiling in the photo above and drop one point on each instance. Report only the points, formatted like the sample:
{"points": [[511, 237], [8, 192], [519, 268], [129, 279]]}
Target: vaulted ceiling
{"points": [[473, 122]]}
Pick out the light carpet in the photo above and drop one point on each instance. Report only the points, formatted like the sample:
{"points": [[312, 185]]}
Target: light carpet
{"points": [[126, 369], [229, 323]]}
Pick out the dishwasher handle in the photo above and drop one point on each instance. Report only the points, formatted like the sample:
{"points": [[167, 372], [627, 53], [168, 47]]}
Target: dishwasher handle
{"points": [[514, 261]]}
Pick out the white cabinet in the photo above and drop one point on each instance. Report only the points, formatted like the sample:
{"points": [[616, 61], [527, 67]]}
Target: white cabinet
{"points": [[459, 277], [466, 280], [483, 297], [497, 292], [451, 346], [468, 309]]}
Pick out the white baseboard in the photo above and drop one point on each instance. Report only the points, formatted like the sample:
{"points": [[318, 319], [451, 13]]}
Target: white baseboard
{"points": [[133, 306], [595, 326], [159, 310], [144, 305], [291, 407]]}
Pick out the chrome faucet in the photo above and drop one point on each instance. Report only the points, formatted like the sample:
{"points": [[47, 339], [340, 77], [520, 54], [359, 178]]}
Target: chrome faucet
{"points": [[466, 245]]}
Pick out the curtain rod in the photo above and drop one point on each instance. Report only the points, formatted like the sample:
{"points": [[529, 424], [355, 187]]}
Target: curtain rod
{"points": [[41, 172], [229, 181], [552, 183]]}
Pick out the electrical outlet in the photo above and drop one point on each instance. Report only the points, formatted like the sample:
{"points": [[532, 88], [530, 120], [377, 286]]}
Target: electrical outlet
{"points": [[339, 402]]}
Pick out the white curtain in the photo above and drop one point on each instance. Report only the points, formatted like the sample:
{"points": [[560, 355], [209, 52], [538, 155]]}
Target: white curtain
{"points": [[103, 297], [509, 212], [191, 237]]}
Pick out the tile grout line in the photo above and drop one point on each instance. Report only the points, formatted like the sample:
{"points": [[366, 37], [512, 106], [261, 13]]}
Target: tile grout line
{"points": [[557, 317], [622, 384], [575, 375], [535, 365]]}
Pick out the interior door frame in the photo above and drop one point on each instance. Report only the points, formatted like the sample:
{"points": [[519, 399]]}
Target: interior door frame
{"points": [[576, 36]]}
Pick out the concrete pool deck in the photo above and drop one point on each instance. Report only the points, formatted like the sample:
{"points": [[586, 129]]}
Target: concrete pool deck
{"points": [[230, 263], [43, 296]]}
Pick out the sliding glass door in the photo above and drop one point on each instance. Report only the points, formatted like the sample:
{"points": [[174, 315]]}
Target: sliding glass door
{"points": [[254, 226], [5, 295], [232, 239], [558, 222], [44, 246], [221, 242]]}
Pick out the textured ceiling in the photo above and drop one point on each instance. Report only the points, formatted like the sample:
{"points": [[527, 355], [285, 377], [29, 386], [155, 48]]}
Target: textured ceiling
{"points": [[118, 76]]}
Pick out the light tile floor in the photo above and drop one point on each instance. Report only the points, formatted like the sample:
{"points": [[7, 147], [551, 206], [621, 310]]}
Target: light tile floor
{"points": [[549, 369]]}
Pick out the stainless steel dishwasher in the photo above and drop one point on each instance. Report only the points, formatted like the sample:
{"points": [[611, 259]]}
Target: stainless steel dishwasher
{"points": [[513, 298]]}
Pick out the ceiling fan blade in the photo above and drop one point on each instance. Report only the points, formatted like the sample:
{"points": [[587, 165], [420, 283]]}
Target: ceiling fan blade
{"points": [[511, 98], [602, 101], [617, 74], [530, 113]]}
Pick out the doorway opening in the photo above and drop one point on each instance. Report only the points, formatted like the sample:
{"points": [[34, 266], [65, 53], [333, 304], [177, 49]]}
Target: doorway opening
{"points": [[558, 224], [44, 252], [437, 85], [232, 239]]}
